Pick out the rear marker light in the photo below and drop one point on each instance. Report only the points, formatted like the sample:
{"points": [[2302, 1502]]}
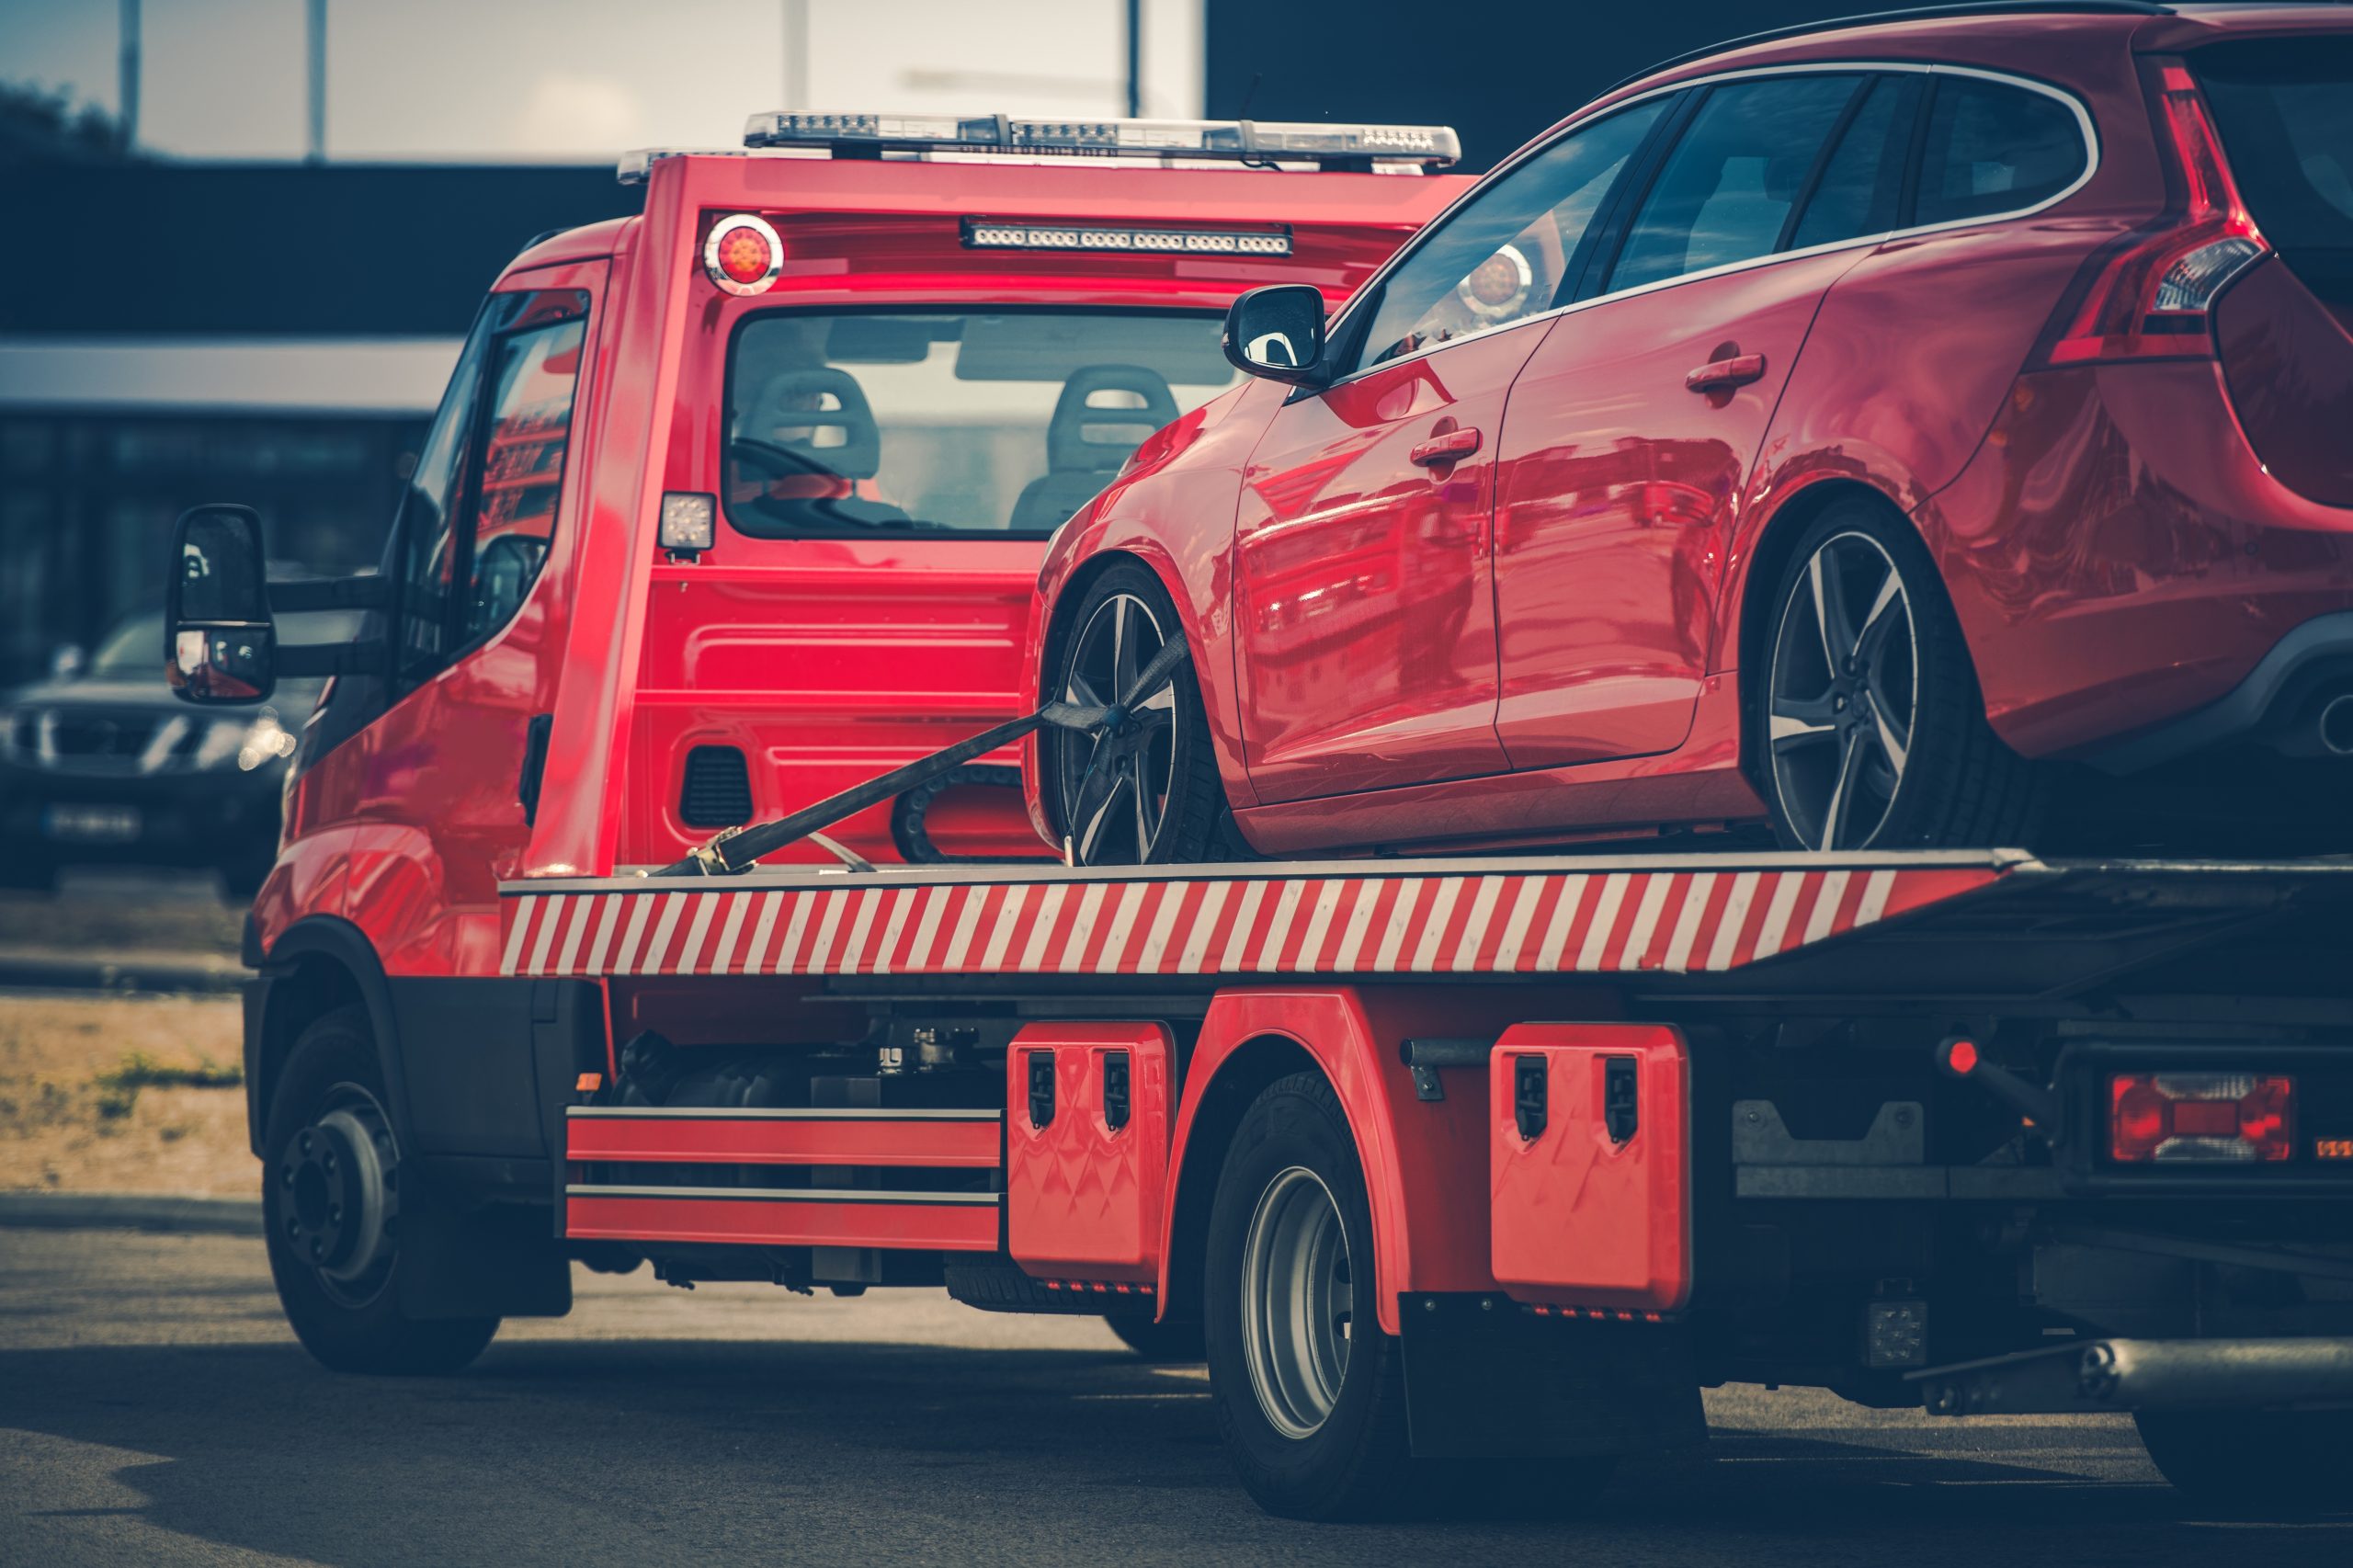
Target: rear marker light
{"points": [[989, 234], [2179, 1118], [2333, 1149], [688, 522], [742, 254]]}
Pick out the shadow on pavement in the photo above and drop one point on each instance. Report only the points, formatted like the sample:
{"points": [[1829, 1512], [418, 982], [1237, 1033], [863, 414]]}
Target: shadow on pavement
{"points": [[645, 1451]]}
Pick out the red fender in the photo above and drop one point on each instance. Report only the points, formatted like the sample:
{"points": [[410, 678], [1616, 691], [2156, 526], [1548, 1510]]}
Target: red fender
{"points": [[1425, 1163]]}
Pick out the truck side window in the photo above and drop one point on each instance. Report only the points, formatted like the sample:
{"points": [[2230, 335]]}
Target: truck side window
{"points": [[480, 508]]}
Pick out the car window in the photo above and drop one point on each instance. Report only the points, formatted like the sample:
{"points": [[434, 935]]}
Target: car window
{"points": [[1725, 192], [1993, 147], [1860, 188], [480, 507], [1503, 255], [2284, 107]]}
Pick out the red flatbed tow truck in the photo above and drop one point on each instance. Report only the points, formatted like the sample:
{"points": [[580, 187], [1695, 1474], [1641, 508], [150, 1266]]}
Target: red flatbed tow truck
{"points": [[1461, 1172]]}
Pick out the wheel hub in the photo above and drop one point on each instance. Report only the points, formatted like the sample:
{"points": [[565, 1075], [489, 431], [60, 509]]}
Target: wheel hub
{"points": [[337, 1188], [1298, 1303]]}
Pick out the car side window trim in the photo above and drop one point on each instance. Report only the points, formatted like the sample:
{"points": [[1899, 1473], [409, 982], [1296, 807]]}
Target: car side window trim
{"points": [[1355, 313], [1598, 253]]}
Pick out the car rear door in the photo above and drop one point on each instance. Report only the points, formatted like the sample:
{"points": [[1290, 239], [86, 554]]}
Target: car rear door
{"points": [[1631, 428]]}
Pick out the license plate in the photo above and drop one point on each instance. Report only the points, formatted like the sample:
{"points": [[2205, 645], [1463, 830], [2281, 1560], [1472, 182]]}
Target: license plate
{"points": [[91, 824]]}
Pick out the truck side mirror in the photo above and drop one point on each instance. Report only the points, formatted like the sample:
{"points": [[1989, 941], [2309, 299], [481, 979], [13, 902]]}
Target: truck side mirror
{"points": [[220, 643], [1277, 332]]}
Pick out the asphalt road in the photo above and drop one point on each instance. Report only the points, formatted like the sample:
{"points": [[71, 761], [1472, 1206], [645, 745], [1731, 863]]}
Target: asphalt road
{"points": [[154, 1409]]}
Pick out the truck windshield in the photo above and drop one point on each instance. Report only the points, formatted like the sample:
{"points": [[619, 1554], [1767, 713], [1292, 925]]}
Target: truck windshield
{"points": [[1005, 423]]}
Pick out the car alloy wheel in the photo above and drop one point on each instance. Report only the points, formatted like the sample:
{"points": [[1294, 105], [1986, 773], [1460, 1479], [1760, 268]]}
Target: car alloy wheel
{"points": [[1298, 1303], [1844, 690], [1116, 780]]}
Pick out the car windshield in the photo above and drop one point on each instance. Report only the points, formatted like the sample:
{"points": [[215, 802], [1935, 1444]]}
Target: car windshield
{"points": [[1004, 422], [134, 648]]}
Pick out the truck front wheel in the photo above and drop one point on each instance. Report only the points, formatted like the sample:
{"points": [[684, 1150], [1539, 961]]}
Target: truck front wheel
{"points": [[331, 1207], [1310, 1393], [2251, 1460]]}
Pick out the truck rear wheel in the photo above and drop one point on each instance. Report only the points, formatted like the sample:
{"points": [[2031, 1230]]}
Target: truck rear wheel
{"points": [[1310, 1393], [333, 1212], [2245, 1460]]}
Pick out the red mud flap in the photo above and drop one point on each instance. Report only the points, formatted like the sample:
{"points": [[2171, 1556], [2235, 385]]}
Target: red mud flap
{"points": [[1589, 1160], [1087, 1151]]}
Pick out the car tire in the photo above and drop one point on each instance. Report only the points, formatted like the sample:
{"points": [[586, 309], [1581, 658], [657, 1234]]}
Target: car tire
{"points": [[333, 1211], [1866, 724], [1170, 1342], [2251, 1460], [1310, 1402], [1148, 790]]}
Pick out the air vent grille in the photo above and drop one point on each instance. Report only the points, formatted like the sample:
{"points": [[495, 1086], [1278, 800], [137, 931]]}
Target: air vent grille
{"points": [[718, 791]]}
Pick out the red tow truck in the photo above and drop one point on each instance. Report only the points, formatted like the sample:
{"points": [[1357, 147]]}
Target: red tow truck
{"points": [[1461, 1173]]}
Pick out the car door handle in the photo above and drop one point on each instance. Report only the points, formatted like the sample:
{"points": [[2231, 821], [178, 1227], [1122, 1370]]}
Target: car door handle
{"points": [[1441, 450], [1722, 375]]}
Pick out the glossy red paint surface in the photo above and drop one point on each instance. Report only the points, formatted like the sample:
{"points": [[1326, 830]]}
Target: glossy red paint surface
{"points": [[2115, 552], [1424, 1163], [1086, 1198], [1622, 488], [1364, 617], [826, 660], [1580, 1218], [676, 1215], [845, 1139]]}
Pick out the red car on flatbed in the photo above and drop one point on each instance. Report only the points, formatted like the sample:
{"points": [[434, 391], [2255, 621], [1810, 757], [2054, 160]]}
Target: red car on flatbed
{"points": [[1923, 431], [1462, 1174]]}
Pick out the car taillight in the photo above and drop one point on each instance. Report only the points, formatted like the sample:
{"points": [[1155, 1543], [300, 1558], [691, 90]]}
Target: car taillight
{"points": [[2237, 1118], [2150, 293]]}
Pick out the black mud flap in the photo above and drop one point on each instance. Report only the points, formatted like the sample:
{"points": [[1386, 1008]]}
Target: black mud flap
{"points": [[1485, 1380], [495, 1261]]}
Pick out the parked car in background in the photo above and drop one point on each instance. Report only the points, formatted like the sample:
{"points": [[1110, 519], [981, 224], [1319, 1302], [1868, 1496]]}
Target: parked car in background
{"points": [[101, 766], [1885, 433]]}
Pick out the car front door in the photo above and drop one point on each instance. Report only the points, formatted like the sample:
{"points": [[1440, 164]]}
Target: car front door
{"points": [[1635, 423], [1364, 610]]}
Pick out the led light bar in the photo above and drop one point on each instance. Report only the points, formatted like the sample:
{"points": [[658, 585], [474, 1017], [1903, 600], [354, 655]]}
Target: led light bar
{"points": [[998, 234], [1427, 146]]}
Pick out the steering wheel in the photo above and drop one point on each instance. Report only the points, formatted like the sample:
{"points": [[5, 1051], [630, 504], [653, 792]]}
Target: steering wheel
{"points": [[776, 457]]}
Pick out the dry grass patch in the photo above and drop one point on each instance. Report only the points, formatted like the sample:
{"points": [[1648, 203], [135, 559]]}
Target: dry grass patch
{"points": [[122, 1095]]}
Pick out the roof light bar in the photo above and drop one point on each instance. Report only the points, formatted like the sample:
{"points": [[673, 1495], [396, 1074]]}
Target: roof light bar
{"points": [[997, 233], [1428, 146]]}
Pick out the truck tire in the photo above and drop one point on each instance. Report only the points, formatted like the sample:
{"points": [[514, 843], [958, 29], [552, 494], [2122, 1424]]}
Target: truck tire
{"points": [[1310, 1393], [2257, 1460], [1170, 1342], [331, 1209]]}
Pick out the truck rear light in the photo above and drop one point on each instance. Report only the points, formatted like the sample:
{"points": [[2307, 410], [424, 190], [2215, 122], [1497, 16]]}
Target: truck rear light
{"points": [[742, 254], [2234, 1118], [2150, 293]]}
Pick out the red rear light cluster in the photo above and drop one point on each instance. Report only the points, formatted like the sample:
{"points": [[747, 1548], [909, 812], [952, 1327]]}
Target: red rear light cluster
{"points": [[742, 254], [2233, 1117], [2150, 296]]}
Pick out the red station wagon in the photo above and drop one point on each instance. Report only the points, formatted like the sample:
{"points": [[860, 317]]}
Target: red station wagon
{"points": [[1927, 431]]}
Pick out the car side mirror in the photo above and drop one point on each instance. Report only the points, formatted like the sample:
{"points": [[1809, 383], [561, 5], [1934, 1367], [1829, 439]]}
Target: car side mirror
{"points": [[1277, 332], [220, 643]]}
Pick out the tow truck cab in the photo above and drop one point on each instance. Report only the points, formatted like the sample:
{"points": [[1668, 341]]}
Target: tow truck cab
{"points": [[731, 504]]}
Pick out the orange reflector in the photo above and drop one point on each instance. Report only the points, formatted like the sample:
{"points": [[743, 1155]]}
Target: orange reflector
{"points": [[2333, 1149], [589, 1083]]}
